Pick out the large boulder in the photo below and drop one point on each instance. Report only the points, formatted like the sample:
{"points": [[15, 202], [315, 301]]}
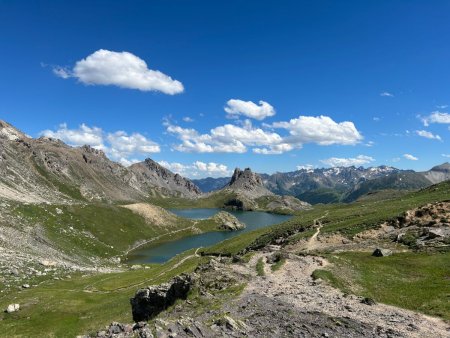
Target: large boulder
{"points": [[379, 252], [12, 308], [119, 330], [227, 221], [148, 302]]}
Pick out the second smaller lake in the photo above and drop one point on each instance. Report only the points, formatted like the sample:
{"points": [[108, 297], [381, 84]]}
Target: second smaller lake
{"points": [[163, 252]]}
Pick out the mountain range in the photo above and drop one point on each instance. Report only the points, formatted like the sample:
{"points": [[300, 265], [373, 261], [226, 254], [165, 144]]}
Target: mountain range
{"points": [[340, 184], [48, 170]]}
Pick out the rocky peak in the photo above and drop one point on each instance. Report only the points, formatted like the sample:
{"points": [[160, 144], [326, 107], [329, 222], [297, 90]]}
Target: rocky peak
{"points": [[153, 173], [249, 183], [245, 178]]}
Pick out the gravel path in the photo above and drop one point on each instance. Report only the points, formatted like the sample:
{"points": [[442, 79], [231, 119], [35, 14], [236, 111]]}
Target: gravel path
{"points": [[292, 284]]}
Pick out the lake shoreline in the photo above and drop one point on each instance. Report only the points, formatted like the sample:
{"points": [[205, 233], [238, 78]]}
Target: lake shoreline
{"points": [[163, 251]]}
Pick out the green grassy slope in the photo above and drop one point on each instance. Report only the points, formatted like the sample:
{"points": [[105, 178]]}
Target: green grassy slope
{"points": [[415, 281], [407, 180], [102, 230], [346, 219], [81, 304]]}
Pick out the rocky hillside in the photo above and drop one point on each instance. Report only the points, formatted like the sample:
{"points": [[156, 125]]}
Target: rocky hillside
{"points": [[400, 180], [152, 175], [438, 173], [330, 185], [48, 170]]}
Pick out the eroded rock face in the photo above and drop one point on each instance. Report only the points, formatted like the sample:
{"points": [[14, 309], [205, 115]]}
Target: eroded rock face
{"points": [[228, 222], [248, 183], [148, 302], [151, 174]]}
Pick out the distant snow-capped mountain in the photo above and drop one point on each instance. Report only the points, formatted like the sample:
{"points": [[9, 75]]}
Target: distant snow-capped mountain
{"points": [[328, 185]]}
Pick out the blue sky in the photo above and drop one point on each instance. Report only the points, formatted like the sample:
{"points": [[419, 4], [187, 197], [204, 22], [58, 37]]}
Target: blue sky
{"points": [[348, 82]]}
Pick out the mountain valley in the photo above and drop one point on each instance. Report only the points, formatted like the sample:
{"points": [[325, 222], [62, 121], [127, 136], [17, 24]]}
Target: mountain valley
{"points": [[70, 217]]}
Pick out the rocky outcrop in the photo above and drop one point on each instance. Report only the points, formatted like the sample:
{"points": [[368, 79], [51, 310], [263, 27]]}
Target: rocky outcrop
{"points": [[380, 252], [148, 302], [251, 194], [12, 308], [424, 227], [119, 330], [248, 184], [227, 221], [287, 203]]}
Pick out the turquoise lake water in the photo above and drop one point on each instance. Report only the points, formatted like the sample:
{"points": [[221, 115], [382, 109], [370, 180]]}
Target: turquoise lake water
{"points": [[165, 251]]}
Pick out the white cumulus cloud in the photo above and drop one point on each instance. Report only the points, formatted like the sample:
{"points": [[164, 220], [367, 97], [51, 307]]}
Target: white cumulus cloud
{"points": [[347, 162], [321, 130], [226, 139], [80, 136], [274, 149], [122, 145], [427, 134], [197, 169], [231, 138], [122, 69], [410, 157], [436, 117], [118, 145], [250, 109]]}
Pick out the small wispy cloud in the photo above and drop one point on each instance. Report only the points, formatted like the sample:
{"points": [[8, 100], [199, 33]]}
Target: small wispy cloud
{"points": [[119, 145], [443, 106], [376, 118], [188, 119], [428, 135], [410, 157], [62, 72], [386, 94], [446, 155]]}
